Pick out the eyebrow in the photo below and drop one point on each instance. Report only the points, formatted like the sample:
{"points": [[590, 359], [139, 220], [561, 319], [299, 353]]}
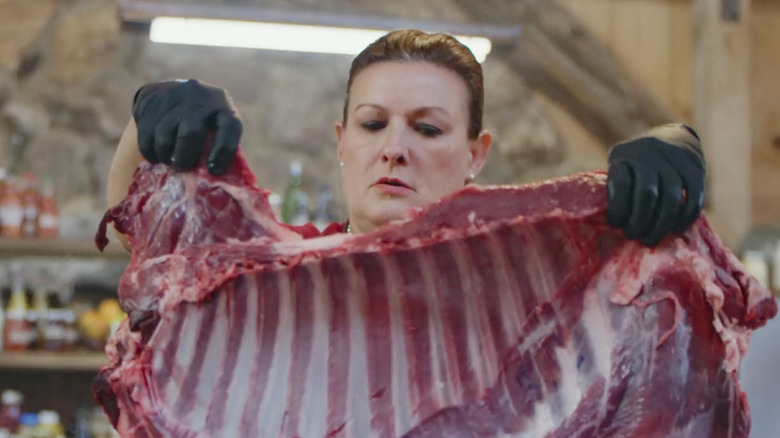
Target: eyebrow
{"points": [[417, 111]]}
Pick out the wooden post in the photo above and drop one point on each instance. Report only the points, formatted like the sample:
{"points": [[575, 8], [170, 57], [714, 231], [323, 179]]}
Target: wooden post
{"points": [[721, 110], [559, 57]]}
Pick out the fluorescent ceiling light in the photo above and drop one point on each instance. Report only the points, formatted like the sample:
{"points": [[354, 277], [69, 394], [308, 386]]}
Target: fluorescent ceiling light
{"points": [[279, 36]]}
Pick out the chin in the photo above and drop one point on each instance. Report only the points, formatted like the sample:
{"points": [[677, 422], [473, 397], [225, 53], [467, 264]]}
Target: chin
{"points": [[388, 211]]}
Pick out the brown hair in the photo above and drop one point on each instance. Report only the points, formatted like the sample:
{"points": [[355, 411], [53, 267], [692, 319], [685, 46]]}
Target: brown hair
{"points": [[437, 48]]}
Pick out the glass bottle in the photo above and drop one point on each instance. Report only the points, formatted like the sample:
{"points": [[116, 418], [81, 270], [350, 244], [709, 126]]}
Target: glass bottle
{"points": [[11, 212], [48, 215], [10, 410], [18, 331], [292, 195], [324, 215], [30, 205]]}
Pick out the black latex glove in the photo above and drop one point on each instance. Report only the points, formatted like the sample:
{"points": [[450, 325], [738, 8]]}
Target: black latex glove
{"points": [[174, 118], [656, 183]]}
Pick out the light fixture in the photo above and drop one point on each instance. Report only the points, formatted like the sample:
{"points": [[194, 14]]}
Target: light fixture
{"points": [[280, 36]]}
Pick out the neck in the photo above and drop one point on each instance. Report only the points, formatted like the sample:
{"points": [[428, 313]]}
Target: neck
{"points": [[358, 227]]}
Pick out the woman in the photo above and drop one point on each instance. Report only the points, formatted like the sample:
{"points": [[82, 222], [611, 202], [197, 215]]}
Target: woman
{"points": [[411, 133]]}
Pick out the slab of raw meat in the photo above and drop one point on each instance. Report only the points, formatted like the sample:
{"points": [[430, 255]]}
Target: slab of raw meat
{"points": [[507, 311]]}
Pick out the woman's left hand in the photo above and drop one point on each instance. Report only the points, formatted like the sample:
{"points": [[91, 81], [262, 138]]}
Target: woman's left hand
{"points": [[656, 183]]}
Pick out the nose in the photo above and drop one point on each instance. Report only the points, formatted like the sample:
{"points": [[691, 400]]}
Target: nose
{"points": [[394, 149]]}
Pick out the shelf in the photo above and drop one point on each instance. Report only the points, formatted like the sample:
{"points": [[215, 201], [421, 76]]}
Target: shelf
{"points": [[52, 361], [59, 248]]}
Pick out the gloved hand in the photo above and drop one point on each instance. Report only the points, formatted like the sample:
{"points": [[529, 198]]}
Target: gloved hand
{"points": [[656, 183], [173, 119]]}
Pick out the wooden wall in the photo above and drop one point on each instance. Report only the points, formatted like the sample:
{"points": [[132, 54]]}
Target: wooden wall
{"points": [[652, 37], [765, 95], [655, 40]]}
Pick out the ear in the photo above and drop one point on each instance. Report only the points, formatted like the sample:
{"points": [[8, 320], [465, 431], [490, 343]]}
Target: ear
{"points": [[339, 135], [478, 151]]}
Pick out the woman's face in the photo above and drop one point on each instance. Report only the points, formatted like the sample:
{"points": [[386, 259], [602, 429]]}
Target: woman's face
{"points": [[405, 143]]}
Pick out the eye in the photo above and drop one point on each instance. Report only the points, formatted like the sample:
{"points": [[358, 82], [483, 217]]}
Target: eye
{"points": [[372, 125], [427, 130]]}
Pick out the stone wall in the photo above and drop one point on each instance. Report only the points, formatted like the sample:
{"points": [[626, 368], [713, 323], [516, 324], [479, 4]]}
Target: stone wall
{"points": [[68, 71]]}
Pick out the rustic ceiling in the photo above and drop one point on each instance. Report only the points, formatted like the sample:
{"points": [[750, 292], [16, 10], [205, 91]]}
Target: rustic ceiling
{"points": [[68, 72], [555, 54]]}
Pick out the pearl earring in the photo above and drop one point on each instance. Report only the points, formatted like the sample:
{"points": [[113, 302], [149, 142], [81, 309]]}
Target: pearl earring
{"points": [[471, 176], [341, 163]]}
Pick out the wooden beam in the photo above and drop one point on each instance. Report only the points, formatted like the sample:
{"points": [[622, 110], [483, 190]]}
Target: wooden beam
{"points": [[145, 11], [765, 107], [561, 58], [722, 115]]}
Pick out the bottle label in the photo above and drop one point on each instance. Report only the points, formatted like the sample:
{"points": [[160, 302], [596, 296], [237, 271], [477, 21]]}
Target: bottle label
{"points": [[31, 315], [15, 314], [11, 216], [71, 335], [48, 221], [29, 228], [19, 337], [30, 212], [18, 333], [55, 332]]}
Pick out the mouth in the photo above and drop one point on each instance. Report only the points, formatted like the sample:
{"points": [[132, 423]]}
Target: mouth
{"points": [[393, 182]]}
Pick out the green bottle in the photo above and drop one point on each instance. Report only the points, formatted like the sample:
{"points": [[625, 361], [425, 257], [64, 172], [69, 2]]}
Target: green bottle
{"points": [[292, 195]]}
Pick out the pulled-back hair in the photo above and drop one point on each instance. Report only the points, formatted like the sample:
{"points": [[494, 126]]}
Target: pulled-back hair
{"points": [[437, 48]]}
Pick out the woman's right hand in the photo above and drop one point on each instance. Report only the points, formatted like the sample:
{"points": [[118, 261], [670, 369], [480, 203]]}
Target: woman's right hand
{"points": [[174, 118]]}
